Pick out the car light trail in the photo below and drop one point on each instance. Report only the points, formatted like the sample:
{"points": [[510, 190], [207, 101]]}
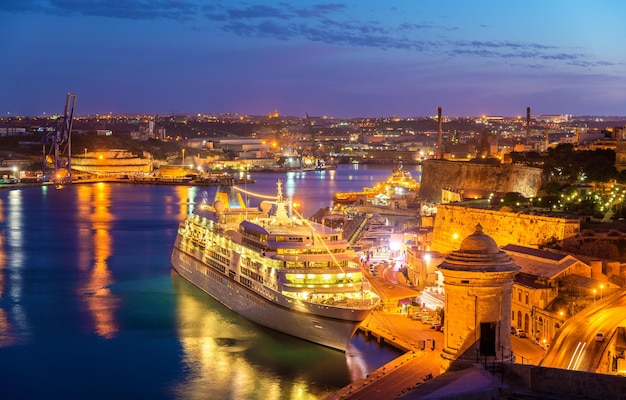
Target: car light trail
{"points": [[578, 353]]}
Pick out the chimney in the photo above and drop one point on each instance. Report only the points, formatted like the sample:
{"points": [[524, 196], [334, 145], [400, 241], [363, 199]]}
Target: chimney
{"points": [[439, 148], [527, 123]]}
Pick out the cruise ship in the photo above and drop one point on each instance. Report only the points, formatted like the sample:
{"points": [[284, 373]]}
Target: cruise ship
{"points": [[274, 267]]}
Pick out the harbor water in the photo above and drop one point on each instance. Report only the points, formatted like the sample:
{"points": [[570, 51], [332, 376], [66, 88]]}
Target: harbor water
{"points": [[90, 308]]}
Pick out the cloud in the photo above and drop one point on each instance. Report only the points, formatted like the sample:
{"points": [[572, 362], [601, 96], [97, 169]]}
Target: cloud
{"points": [[324, 22], [178, 10]]}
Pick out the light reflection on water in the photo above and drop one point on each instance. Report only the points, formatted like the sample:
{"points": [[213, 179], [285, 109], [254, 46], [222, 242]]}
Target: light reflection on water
{"points": [[236, 358], [94, 249], [85, 278]]}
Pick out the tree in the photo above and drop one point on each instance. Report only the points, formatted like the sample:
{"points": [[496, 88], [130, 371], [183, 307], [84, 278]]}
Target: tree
{"points": [[597, 165], [512, 198], [559, 163], [552, 188]]}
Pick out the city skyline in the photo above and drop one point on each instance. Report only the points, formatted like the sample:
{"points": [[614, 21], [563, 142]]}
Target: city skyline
{"points": [[350, 60]]}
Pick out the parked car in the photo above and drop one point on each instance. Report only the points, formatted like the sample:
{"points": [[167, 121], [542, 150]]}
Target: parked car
{"points": [[520, 333], [599, 337], [435, 325]]}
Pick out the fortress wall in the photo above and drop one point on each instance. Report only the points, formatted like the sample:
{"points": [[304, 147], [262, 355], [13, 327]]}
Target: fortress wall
{"points": [[439, 174], [566, 383], [504, 227]]}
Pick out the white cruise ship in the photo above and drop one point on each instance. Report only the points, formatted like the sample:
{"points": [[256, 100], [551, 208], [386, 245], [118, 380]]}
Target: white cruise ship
{"points": [[280, 271]]}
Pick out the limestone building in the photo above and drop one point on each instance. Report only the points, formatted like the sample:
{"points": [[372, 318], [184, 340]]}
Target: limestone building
{"points": [[478, 281]]}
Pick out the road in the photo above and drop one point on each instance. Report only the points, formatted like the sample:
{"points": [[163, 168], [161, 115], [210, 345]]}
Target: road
{"points": [[575, 347]]}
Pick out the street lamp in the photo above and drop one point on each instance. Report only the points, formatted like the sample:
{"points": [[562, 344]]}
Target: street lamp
{"points": [[601, 289], [455, 237], [426, 274], [594, 295]]}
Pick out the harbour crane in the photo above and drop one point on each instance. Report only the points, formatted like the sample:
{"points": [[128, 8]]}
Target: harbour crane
{"points": [[57, 145]]}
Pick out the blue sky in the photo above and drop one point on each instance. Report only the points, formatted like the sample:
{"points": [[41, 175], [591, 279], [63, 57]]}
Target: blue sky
{"points": [[357, 58]]}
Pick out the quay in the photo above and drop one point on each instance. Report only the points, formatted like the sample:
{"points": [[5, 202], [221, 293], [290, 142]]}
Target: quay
{"points": [[419, 363], [421, 348], [149, 180], [420, 345]]}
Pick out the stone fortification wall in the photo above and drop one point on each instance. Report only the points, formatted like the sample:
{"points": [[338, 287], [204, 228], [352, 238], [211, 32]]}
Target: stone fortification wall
{"points": [[456, 175], [455, 222], [567, 383]]}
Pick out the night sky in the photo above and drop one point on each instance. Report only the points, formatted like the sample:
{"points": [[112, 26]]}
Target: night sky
{"points": [[360, 58]]}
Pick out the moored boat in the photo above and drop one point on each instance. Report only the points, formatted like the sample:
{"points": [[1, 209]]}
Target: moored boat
{"points": [[275, 268]]}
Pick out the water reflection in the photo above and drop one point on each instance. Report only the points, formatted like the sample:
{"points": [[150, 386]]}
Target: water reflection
{"points": [[5, 336], [181, 204], [233, 358], [95, 243], [14, 326]]}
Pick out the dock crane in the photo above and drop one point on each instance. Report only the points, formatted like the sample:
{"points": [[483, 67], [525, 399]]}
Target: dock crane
{"points": [[59, 144]]}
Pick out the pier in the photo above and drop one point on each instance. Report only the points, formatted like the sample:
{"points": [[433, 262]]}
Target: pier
{"points": [[419, 363]]}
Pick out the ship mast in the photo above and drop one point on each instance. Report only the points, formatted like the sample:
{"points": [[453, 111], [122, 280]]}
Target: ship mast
{"points": [[282, 214]]}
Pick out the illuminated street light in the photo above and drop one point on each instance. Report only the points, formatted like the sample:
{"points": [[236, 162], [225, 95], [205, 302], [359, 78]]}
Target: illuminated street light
{"points": [[594, 295], [455, 237], [601, 289]]}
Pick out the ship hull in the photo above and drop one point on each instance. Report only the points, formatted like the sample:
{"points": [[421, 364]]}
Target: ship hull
{"points": [[321, 324]]}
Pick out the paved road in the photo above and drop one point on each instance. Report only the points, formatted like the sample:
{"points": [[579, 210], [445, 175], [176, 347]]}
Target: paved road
{"points": [[575, 347]]}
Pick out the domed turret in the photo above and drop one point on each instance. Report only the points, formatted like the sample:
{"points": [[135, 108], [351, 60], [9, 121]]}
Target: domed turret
{"points": [[478, 281], [478, 242], [478, 252]]}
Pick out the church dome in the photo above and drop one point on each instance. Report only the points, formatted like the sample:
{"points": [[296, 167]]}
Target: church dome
{"points": [[479, 252]]}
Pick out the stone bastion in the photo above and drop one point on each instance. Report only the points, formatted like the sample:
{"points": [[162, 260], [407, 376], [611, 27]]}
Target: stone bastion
{"points": [[455, 222], [462, 175]]}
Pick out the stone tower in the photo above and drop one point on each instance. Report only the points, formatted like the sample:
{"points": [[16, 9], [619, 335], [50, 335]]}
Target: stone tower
{"points": [[478, 282]]}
